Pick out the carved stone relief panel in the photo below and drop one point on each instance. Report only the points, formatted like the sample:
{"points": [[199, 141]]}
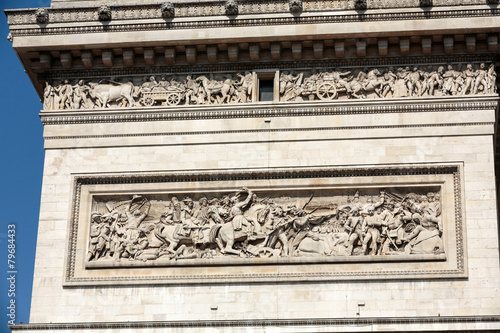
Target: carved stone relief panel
{"points": [[167, 90], [392, 219], [244, 225], [317, 84], [407, 81]]}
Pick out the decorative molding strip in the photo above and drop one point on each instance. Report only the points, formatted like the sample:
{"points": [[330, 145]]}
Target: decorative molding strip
{"points": [[214, 8], [357, 17], [287, 110], [315, 129], [182, 9], [350, 322]]}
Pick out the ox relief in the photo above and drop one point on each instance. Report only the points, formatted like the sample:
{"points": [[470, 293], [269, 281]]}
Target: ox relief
{"points": [[320, 84], [247, 225]]}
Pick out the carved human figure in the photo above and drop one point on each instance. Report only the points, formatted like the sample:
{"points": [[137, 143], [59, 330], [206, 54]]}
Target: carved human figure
{"points": [[48, 97], [238, 219], [314, 243], [134, 243], [245, 87], [491, 80], [426, 236], [228, 90], [65, 91], [148, 84], [393, 232], [341, 77], [400, 89], [370, 204], [134, 213], [80, 95], [290, 86], [340, 234], [163, 84], [119, 229], [100, 232], [184, 252], [435, 80], [481, 75], [413, 82], [191, 88], [389, 81], [280, 222], [175, 85], [365, 81], [300, 223], [371, 231], [362, 75], [469, 78], [187, 215], [310, 84], [450, 85], [424, 82], [435, 206], [200, 219], [354, 226]]}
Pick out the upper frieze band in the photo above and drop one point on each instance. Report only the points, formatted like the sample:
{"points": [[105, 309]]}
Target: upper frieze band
{"points": [[85, 11]]}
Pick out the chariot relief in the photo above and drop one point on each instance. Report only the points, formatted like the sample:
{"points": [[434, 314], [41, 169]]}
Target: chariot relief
{"points": [[248, 224], [319, 84]]}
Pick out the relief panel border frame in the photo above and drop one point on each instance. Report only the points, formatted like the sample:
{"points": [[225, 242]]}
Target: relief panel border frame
{"points": [[455, 267]]}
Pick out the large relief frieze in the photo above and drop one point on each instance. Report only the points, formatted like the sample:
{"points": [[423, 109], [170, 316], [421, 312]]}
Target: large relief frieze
{"points": [[246, 225], [317, 84], [289, 224]]}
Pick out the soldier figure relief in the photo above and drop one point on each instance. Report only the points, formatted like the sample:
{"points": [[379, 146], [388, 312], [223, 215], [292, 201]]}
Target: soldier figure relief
{"points": [[319, 84]]}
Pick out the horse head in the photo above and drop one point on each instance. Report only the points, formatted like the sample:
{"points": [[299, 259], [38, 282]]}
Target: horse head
{"points": [[213, 214]]}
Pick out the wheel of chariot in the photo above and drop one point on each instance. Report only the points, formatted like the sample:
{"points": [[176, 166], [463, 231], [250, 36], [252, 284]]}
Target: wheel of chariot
{"points": [[326, 91], [148, 101], [173, 98], [265, 253]]}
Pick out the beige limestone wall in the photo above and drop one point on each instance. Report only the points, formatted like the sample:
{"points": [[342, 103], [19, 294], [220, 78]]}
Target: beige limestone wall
{"points": [[477, 295]]}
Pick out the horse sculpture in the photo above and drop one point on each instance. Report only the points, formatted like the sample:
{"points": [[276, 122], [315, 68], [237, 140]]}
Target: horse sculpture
{"points": [[211, 87], [225, 236], [372, 83], [173, 235]]}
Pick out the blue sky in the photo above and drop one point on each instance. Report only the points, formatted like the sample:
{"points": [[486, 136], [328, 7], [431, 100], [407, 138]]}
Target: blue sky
{"points": [[21, 165]]}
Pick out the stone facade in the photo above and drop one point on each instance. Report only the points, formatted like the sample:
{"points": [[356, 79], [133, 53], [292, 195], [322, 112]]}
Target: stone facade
{"points": [[298, 138]]}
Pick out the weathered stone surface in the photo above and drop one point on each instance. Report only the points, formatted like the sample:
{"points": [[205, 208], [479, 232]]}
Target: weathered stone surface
{"points": [[315, 84], [395, 101]]}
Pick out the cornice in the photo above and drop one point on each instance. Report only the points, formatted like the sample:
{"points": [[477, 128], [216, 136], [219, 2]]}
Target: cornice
{"points": [[199, 9], [303, 64], [332, 322], [47, 29], [342, 107]]}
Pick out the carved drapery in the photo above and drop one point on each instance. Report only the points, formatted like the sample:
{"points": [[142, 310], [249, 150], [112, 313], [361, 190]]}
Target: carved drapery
{"points": [[291, 86]]}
